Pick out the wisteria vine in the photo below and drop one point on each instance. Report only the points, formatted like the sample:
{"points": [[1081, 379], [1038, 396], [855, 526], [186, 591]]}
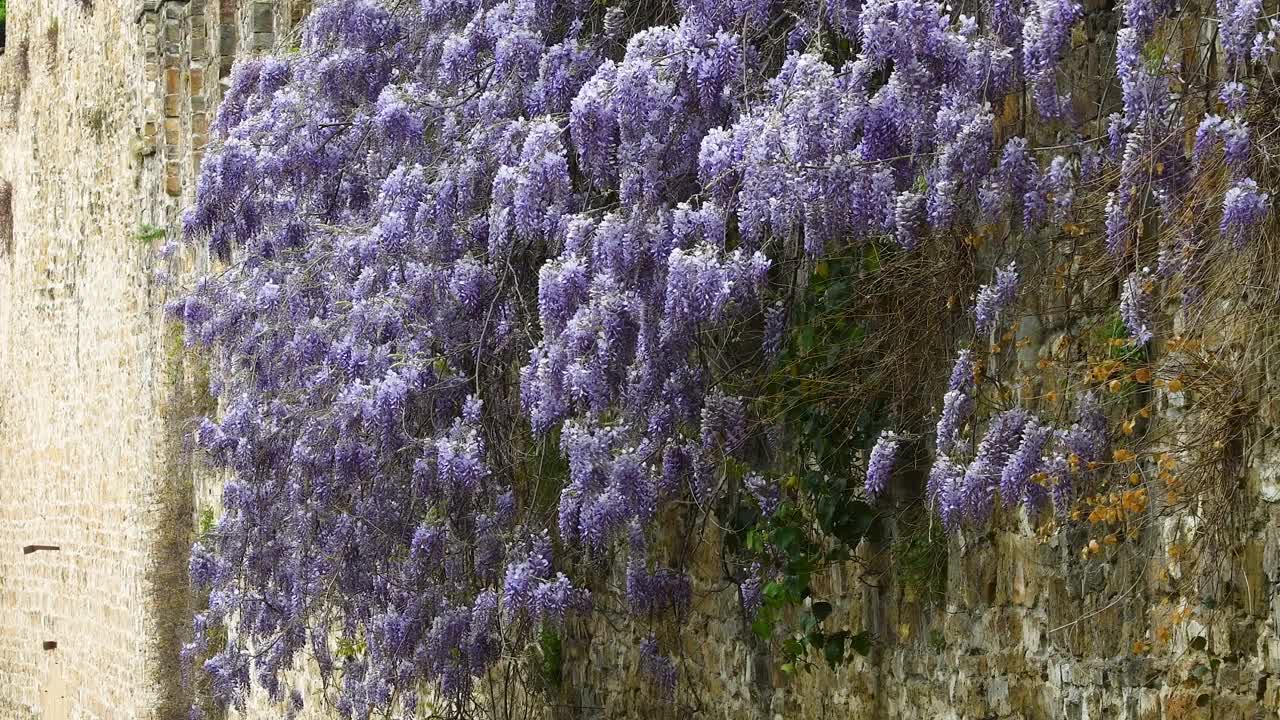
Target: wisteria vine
{"points": [[465, 242]]}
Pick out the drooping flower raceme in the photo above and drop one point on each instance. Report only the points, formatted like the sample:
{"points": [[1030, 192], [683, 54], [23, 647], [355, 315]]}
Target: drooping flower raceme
{"points": [[1243, 208], [429, 200], [1136, 306], [880, 464], [957, 404], [995, 298], [1238, 22]]}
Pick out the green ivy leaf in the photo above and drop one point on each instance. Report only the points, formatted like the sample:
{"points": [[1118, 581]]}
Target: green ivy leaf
{"points": [[786, 538], [147, 232], [805, 341], [775, 591], [816, 639], [838, 554], [552, 658], [858, 520], [821, 611], [807, 623], [793, 647], [861, 643], [834, 648]]}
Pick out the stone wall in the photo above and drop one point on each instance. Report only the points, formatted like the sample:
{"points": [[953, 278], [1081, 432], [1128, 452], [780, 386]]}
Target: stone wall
{"points": [[79, 391], [104, 110], [1027, 629], [104, 115]]}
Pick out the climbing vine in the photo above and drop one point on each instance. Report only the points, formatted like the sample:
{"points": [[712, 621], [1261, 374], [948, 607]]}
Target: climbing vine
{"points": [[512, 292]]}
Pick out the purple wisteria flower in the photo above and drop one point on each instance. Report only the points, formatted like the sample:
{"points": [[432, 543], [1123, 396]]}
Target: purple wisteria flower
{"points": [[957, 403], [909, 217], [1207, 136], [1046, 36], [1234, 95], [1015, 478], [660, 669], [995, 298], [880, 464], [1238, 21], [1058, 476], [455, 234], [945, 491], [768, 495], [1087, 437], [1137, 304], [751, 591], [982, 476], [1243, 208], [775, 328]]}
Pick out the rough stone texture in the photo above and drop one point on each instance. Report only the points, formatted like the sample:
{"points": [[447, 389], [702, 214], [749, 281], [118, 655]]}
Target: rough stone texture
{"points": [[104, 110], [78, 451], [104, 115], [1027, 630]]}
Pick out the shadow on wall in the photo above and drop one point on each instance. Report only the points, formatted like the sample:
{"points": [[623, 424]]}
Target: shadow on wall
{"points": [[168, 587], [6, 205]]}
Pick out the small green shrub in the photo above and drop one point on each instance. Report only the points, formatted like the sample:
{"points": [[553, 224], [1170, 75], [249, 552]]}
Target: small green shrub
{"points": [[147, 233], [552, 657], [207, 522]]}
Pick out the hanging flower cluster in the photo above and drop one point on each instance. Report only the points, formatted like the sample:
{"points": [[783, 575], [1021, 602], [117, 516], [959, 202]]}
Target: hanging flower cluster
{"points": [[447, 222]]}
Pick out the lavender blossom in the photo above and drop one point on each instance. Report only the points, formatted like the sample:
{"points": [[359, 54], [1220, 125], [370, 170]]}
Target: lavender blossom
{"points": [[1243, 208], [1238, 20], [880, 464], [994, 298], [766, 493], [659, 668], [1136, 306]]}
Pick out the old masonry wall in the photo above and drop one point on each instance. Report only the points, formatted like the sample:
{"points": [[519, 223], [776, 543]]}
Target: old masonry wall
{"points": [[104, 112]]}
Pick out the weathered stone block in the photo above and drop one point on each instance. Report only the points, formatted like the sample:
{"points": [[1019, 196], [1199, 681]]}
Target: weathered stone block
{"points": [[263, 17], [172, 131], [227, 40]]}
